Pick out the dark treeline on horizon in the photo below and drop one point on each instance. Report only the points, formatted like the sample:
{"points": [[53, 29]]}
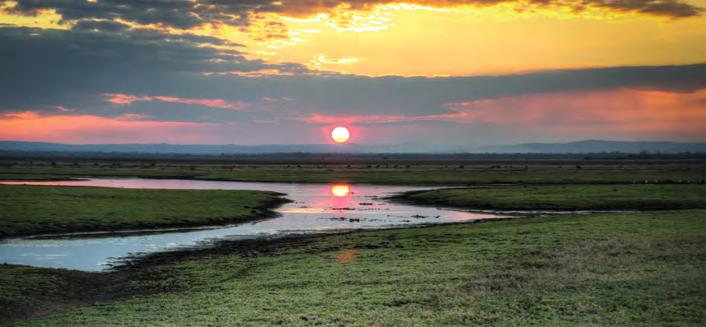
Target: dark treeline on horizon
{"points": [[18, 157]]}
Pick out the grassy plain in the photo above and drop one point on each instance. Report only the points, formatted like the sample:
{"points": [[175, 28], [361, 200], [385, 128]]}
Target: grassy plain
{"points": [[474, 173], [564, 197], [52, 209], [603, 269], [632, 268]]}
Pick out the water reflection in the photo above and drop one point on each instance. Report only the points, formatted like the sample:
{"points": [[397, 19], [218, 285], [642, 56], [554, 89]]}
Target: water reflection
{"points": [[315, 208], [347, 256], [340, 190]]}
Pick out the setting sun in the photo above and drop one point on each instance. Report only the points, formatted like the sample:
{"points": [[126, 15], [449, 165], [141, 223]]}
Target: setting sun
{"points": [[340, 134]]}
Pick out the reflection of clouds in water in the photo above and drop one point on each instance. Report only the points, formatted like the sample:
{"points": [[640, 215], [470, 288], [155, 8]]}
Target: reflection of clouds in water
{"points": [[44, 256], [22, 243], [347, 256], [302, 210], [311, 212], [45, 242]]}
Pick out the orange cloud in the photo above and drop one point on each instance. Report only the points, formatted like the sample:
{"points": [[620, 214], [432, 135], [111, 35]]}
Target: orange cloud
{"points": [[126, 99], [31, 126]]}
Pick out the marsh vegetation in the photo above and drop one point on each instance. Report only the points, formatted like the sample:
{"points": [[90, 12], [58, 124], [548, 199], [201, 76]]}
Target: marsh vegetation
{"points": [[604, 269], [59, 209], [642, 267]]}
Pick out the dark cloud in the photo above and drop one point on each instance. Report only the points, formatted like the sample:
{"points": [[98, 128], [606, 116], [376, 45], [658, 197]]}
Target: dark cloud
{"points": [[73, 69], [175, 13], [38, 64], [426, 95], [187, 13], [70, 73], [668, 8], [113, 46], [49, 69]]}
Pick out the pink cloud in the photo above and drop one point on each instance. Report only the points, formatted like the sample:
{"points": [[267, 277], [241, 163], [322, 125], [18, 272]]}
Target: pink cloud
{"points": [[31, 126], [619, 111], [20, 115], [127, 99], [121, 99]]}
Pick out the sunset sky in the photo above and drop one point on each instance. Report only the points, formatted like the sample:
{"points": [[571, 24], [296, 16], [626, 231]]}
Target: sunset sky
{"points": [[466, 72]]}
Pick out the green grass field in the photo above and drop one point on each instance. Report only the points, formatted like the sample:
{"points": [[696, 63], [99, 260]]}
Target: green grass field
{"points": [[422, 174], [631, 268], [564, 197], [604, 269], [52, 209]]}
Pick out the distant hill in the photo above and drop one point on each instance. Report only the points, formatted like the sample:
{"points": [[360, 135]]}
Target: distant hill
{"points": [[596, 146], [591, 146], [203, 149]]}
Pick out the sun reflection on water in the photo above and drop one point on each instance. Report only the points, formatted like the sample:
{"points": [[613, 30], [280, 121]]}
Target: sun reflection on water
{"points": [[340, 190]]}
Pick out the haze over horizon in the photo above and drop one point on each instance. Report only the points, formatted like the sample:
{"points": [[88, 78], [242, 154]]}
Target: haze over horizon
{"points": [[466, 72], [583, 147]]}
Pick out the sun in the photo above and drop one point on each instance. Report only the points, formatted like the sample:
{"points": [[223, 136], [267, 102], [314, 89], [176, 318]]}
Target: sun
{"points": [[340, 134]]}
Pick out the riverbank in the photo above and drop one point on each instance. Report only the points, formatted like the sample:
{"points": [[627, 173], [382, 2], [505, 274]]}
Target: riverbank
{"points": [[63, 209], [600, 269], [562, 197]]}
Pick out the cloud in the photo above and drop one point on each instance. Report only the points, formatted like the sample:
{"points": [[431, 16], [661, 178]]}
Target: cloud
{"points": [[624, 113], [617, 109], [106, 72], [346, 95], [563, 109], [160, 77], [187, 14], [97, 46], [93, 25], [377, 119], [127, 128], [32, 126], [47, 67], [617, 113], [667, 8], [125, 99]]}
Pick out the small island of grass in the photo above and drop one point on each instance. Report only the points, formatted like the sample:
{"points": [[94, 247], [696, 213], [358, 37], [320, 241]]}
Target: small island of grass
{"points": [[63, 209], [564, 197]]}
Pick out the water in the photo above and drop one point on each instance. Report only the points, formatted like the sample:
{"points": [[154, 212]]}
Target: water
{"points": [[316, 208]]}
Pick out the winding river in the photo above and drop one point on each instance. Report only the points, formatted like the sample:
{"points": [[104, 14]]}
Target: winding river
{"points": [[316, 208]]}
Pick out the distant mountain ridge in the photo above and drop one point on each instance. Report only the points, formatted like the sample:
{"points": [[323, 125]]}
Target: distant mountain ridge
{"points": [[589, 146], [598, 146]]}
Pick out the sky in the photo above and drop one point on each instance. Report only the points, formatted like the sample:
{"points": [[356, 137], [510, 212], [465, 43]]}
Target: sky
{"points": [[456, 72]]}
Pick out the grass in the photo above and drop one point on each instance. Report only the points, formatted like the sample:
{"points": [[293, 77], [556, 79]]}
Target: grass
{"points": [[636, 268], [51, 209], [421, 174], [564, 197], [603, 269]]}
